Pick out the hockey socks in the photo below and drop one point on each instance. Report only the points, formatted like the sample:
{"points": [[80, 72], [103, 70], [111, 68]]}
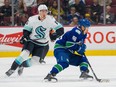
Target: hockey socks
{"points": [[27, 63], [59, 67], [18, 61], [14, 66], [84, 66]]}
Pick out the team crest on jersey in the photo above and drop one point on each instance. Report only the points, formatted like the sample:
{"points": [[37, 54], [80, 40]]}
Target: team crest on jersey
{"points": [[74, 38], [40, 31]]}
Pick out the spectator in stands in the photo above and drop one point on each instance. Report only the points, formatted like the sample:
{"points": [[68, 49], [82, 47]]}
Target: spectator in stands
{"points": [[74, 21], [21, 16], [71, 2], [82, 1], [65, 6], [80, 7], [101, 2], [50, 2], [15, 2], [63, 22], [72, 14], [110, 17], [46, 2], [35, 8], [54, 9], [5, 13], [95, 11], [29, 4], [1, 3], [88, 15]]}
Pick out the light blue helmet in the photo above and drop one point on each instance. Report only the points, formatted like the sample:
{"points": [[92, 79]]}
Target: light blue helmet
{"points": [[84, 22]]}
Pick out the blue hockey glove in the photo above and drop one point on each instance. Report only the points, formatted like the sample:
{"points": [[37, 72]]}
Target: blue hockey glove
{"points": [[81, 49]]}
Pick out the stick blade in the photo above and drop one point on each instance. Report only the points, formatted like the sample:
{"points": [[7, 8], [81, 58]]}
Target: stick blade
{"points": [[103, 80]]}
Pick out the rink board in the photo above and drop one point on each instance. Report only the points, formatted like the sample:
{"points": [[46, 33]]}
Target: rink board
{"points": [[101, 40]]}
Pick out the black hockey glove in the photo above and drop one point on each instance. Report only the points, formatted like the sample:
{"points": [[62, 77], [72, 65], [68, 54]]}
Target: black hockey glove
{"points": [[81, 49], [53, 36], [24, 39]]}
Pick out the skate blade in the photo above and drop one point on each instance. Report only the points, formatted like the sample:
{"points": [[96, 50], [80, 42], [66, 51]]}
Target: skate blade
{"points": [[85, 79], [52, 80], [104, 80], [43, 63]]}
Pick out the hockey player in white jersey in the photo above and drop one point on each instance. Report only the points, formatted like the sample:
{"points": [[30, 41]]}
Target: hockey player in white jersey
{"points": [[35, 39]]}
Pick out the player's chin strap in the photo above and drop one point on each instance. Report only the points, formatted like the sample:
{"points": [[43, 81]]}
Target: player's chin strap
{"points": [[97, 79]]}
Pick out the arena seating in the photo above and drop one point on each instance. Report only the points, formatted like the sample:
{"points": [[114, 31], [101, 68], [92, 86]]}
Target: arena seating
{"points": [[113, 4], [88, 2]]}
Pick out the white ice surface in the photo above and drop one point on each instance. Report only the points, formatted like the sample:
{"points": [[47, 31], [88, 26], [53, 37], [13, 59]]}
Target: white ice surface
{"points": [[104, 67]]}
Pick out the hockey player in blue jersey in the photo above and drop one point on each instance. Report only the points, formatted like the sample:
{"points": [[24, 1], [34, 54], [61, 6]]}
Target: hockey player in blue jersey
{"points": [[70, 51]]}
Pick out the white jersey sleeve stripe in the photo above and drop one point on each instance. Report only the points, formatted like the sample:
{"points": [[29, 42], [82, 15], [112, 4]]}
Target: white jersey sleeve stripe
{"points": [[27, 28], [59, 26]]}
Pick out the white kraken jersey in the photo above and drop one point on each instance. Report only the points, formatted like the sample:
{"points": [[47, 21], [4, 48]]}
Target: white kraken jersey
{"points": [[40, 29]]}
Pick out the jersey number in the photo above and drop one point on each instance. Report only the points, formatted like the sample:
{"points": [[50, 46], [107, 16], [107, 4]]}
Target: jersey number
{"points": [[40, 32]]}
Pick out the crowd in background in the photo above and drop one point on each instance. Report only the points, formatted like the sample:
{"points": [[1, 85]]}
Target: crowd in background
{"points": [[70, 11]]}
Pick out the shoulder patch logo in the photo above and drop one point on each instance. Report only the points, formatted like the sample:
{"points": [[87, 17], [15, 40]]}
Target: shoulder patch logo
{"points": [[77, 31]]}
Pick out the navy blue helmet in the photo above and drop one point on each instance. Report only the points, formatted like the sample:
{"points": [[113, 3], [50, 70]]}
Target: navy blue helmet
{"points": [[84, 22]]}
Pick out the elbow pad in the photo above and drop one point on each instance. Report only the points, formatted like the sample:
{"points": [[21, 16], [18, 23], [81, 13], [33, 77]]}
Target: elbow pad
{"points": [[26, 33], [25, 36], [60, 32]]}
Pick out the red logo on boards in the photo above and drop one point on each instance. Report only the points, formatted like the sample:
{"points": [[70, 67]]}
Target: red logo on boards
{"points": [[11, 39]]}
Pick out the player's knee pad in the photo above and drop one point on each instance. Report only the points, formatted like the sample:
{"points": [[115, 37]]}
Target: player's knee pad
{"points": [[62, 59], [35, 60], [64, 64]]}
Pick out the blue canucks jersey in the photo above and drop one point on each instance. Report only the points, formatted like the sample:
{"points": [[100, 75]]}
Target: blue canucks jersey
{"points": [[71, 40]]}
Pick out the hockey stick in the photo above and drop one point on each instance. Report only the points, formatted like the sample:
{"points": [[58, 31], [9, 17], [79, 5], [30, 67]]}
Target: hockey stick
{"points": [[99, 80]]}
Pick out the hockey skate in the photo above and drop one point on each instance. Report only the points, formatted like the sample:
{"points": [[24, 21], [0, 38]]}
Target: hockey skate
{"points": [[50, 78], [9, 72], [42, 61], [20, 70], [84, 75]]}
